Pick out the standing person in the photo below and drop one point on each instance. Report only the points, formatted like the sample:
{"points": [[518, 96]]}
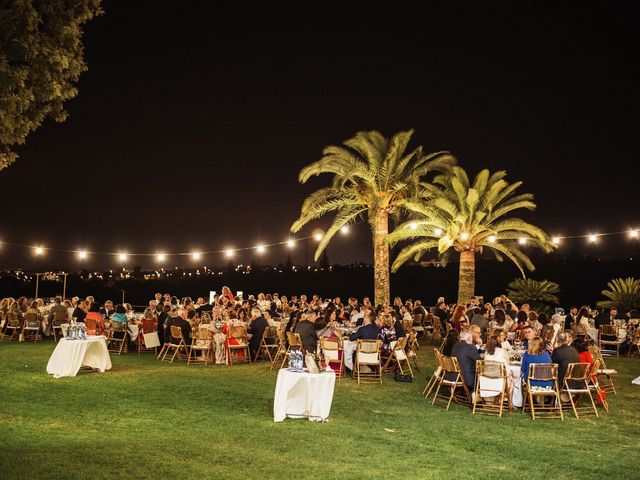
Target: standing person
{"points": [[257, 325], [306, 328]]}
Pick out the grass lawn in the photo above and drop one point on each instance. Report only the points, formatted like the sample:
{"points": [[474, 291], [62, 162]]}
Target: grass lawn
{"points": [[144, 419]]}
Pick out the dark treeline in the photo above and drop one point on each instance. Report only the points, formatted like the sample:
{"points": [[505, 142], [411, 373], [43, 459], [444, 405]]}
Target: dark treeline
{"points": [[581, 281]]}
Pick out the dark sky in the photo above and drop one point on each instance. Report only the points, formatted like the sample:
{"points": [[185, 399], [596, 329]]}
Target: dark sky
{"points": [[195, 118]]}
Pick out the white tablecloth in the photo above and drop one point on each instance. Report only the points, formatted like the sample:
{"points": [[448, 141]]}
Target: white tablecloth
{"points": [[70, 355], [303, 394]]}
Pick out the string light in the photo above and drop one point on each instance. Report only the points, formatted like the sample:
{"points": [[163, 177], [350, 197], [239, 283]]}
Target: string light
{"points": [[195, 256], [522, 241], [261, 249], [161, 257], [228, 253], [492, 239], [317, 237], [633, 233], [464, 236], [82, 254], [413, 226], [438, 231], [122, 257], [290, 244], [39, 251], [556, 240], [344, 230], [593, 238]]}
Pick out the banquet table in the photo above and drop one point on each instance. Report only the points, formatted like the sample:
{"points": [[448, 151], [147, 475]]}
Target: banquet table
{"points": [[70, 355], [303, 395]]}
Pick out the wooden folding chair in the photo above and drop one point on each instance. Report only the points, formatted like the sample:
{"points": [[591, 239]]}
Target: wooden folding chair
{"points": [[239, 334], [608, 340], [437, 329], [491, 390], [56, 325], [293, 341], [32, 326], [550, 405], [281, 353], [268, 343], [603, 374], [368, 356], [576, 387], [398, 357], [117, 338], [178, 347], [594, 385], [202, 342], [12, 325], [147, 326], [331, 348], [634, 342], [412, 343], [455, 383], [436, 378], [417, 325]]}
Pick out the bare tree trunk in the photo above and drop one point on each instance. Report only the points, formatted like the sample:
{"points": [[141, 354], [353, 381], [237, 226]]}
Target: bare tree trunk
{"points": [[381, 281], [467, 276]]}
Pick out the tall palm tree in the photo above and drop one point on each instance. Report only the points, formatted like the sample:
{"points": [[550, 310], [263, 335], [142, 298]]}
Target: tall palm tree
{"points": [[372, 178], [456, 216]]}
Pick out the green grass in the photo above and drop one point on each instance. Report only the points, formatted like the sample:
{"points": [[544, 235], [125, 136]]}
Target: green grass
{"points": [[144, 419]]}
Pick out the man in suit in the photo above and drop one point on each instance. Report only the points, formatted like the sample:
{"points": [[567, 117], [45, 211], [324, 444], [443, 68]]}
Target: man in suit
{"points": [[306, 328], [481, 319], [368, 330], [467, 356], [107, 310], [571, 317], [257, 325], [564, 354], [442, 313]]}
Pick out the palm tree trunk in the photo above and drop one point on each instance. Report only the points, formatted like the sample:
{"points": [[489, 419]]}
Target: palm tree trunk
{"points": [[467, 276], [381, 282]]}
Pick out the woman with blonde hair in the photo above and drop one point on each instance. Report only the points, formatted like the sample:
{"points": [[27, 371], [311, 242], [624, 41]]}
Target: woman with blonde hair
{"points": [[536, 353]]}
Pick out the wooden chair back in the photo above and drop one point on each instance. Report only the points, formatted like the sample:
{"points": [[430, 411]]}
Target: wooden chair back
{"points": [[294, 340], [543, 372]]}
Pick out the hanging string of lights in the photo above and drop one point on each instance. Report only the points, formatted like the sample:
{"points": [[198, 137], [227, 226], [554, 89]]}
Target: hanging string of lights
{"points": [[122, 256], [290, 243]]}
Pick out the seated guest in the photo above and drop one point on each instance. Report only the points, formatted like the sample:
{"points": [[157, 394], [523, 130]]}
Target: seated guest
{"points": [[107, 310], [80, 311], [94, 321], [564, 354], [119, 318], [177, 321], [476, 338], [387, 334], [534, 322], [583, 353], [162, 314], [257, 325], [306, 328], [545, 324], [528, 333], [494, 352], [467, 356], [453, 337], [503, 343], [368, 331], [459, 318], [536, 353]]}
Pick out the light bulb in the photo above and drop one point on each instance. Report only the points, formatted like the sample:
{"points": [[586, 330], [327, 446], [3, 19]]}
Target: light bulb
{"points": [[161, 257], [556, 240], [492, 239], [290, 243], [413, 226], [464, 236], [261, 248], [438, 231], [522, 241], [122, 256], [633, 233], [317, 237], [196, 256], [39, 250], [82, 254], [228, 253], [593, 238], [344, 230]]}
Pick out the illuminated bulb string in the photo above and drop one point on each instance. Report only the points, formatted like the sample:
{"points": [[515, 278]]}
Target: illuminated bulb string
{"points": [[83, 254]]}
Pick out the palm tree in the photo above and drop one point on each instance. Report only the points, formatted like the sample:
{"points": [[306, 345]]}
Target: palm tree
{"points": [[372, 178], [456, 216], [623, 293], [539, 293]]}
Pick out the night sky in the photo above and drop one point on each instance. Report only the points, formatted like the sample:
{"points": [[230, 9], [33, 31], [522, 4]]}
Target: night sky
{"points": [[195, 118]]}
